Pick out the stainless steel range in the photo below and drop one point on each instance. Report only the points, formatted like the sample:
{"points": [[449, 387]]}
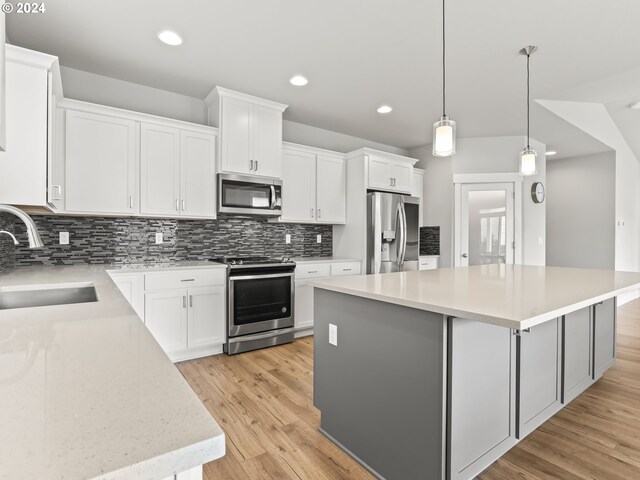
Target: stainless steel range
{"points": [[260, 302]]}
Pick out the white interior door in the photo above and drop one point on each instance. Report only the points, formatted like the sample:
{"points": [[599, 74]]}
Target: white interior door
{"points": [[485, 230]]}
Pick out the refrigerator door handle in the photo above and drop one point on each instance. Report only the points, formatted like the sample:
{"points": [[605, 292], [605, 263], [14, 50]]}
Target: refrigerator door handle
{"points": [[377, 233], [400, 239], [403, 231]]}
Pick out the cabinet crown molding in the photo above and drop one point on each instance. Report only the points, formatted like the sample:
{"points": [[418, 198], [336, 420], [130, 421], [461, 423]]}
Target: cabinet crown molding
{"points": [[39, 60], [380, 154], [225, 92]]}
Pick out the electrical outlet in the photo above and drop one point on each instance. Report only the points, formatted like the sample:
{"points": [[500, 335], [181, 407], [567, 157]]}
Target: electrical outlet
{"points": [[287, 238], [333, 334], [319, 238], [64, 238], [159, 239]]}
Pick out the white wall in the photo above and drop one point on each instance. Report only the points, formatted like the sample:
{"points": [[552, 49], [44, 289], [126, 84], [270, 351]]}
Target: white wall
{"points": [[581, 213], [594, 119], [481, 155], [89, 87]]}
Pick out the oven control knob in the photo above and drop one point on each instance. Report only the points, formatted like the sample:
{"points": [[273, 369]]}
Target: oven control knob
{"points": [[284, 309]]}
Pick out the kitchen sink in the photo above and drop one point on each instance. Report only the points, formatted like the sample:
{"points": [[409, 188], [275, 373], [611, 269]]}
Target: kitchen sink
{"points": [[46, 296]]}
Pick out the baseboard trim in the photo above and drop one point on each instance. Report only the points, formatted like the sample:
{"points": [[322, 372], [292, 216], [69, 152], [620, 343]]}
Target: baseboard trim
{"points": [[352, 455]]}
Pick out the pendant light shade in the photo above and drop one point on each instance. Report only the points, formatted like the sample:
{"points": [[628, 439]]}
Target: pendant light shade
{"points": [[444, 137], [528, 156], [444, 130]]}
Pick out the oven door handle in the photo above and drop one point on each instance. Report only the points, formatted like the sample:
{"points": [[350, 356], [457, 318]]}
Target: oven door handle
{"points": [[257, 277]]}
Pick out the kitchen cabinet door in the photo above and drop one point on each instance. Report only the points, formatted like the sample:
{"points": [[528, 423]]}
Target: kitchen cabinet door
{"points": [[482, 396], [380, 174], [236, 142], [166, 318], [303, 310], [604, 336], [130, 285], [402, 174], [267, 142], [538, 376], [298, 186], [577, 373], [101, 163], [330, 190], [198, 178], [159, 169], [23, 166], [206, 317]]}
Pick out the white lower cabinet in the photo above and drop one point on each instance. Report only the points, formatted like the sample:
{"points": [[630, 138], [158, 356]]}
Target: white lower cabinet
{"points": [[185, 310], [303, 314], [166, 318], [193, 474], [427, 262]]}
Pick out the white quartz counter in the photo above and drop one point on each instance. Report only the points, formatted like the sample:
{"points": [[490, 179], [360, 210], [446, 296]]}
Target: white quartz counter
{"points": [[86, 392], [306, 260], [512, 296], [164, 267]]}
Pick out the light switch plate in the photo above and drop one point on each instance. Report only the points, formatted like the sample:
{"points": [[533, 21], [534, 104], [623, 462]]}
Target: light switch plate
{"points": [[287, 238], [159, 238], [333, 334], [64, 238], [319, 238]]}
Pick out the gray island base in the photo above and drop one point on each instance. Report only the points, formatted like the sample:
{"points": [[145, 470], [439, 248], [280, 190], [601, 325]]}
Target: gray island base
{"points": [[417, 394]]}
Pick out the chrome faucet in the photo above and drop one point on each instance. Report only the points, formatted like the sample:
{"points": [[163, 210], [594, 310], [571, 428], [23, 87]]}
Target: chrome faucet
{"points": [[32, 231]]}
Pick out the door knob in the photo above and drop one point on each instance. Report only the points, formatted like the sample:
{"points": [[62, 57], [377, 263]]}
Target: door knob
{"points": [[464, 255]]}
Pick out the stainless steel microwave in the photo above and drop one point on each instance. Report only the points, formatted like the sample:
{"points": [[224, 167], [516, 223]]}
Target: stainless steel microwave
{"points": [[247, 195]]}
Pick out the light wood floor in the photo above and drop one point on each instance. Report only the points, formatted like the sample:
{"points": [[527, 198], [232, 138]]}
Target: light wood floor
{"points": [[263, 402]]}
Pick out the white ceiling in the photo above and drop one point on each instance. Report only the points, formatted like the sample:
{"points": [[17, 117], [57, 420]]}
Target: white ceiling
{"points": [[357, 55]]}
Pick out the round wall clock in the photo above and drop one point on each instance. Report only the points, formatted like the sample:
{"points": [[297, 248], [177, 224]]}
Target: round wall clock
{"points": [[537, 192]]}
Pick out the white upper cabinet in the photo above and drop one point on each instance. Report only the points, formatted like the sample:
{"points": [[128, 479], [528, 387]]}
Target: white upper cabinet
{"points": [[32, 79], [159, 170], [313, 185], [331, 186], [101, 163], [197, 174], [388, 172], [177, 175], [298, 186], [250, 132]]}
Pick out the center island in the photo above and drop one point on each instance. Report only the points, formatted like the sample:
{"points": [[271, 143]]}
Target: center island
{"points": [[436, 374]]}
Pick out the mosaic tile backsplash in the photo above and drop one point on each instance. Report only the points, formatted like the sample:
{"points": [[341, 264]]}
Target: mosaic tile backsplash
{"points": [[132, 240], [429, 240]]}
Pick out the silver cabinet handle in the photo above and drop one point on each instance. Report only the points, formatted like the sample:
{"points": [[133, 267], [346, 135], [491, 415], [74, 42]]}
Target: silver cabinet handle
{"points": [[188, 280], [312, 271], [184, 301], [464, 255], [390, 182], [57, 192], [256, 165], [347, 269], [312, 213], [319, 213], [191, 300], [183, 205], [177, 208], [250, 165], [130, 201]]}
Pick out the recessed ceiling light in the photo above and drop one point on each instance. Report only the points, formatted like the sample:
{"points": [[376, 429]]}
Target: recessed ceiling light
{"points": [[298, 81], [635, 105], [551, 153], [384, 109], [170, 38]]}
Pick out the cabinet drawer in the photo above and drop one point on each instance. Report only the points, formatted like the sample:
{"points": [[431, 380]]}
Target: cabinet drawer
{"points": [[313, 270], [345, 268], [428, 263], [184, 279]]}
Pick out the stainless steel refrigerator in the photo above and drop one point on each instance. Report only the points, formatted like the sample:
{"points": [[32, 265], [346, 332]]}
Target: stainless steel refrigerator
{"points": [[392, 232]]}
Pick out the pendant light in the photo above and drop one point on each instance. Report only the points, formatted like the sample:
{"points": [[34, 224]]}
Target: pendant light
{"points": [[444, 130], [528, 155]]}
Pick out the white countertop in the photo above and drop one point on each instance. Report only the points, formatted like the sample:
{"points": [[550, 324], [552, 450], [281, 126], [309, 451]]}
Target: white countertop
{"points": [[305, 260], [163, 266], [86, 392], [512, 296]]}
